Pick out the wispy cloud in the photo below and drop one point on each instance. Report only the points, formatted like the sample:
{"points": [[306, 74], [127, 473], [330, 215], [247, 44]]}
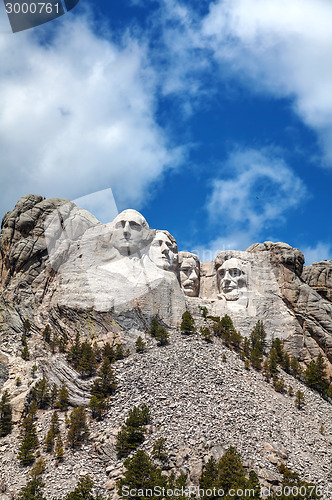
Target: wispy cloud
{"points": [[321, 251], [281, 48], [78, 115], [253, 195]]}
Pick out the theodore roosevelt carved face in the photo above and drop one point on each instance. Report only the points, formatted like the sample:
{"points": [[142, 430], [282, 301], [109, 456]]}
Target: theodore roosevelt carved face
{"points": [[189, 273], [130, 233], [232, 278], [164, 251]]}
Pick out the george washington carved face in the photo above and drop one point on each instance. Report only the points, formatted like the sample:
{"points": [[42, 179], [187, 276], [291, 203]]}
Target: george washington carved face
{"points": [[232, 278], [130, 233]]}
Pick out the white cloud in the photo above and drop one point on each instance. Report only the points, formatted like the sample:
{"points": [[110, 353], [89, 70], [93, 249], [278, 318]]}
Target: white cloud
{"points": [[254, 194], [321, 251], [78, 115], [280, 47]]}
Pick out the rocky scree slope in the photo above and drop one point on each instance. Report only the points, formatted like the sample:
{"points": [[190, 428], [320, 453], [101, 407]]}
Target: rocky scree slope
{"points": [[202, 405]]}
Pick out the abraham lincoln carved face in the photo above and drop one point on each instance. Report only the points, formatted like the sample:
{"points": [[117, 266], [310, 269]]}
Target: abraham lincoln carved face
{"points": [[232, 278]]}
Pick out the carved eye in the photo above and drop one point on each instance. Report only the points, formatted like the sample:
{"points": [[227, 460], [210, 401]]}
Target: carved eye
{"points": [[135, 225]]}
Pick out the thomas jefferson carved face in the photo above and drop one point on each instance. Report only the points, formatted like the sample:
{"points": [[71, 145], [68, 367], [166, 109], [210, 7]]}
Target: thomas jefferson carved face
{"points": [[164, 251], [189, 273], [232, 278], [131, 233]]}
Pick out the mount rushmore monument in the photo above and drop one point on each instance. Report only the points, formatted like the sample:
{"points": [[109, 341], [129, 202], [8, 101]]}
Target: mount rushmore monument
{"points": [[60, 266]]}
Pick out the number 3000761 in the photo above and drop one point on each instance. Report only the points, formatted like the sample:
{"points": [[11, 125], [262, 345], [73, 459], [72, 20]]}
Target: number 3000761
{"points": [[31, 8]]}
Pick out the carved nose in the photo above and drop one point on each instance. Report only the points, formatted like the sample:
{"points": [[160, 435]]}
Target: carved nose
{"points": [[164, 248], [126, 228]]}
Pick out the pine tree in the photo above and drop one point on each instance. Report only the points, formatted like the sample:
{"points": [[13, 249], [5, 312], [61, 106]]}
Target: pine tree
{"points": [[119, 352], [296, 367], [63, 342], [106, 384], [98, 407], [63, 398], [26, 326], [323, 383], [292, 483], [273, 361], [299, 400], [108, 352], [141, 474], [83, 490], [329, 392], [256, 357], [53, 395], [154, 326], [74, 354], [59, 454], [231, 472], [279, 385], [52, 433], [128, 439], [228, 333], [145, 415], [258, 337], [204, 312], [140, 345], [246, 347], [188, 323], [6, 423], [29, 441], [162, 336], [87, 363], [40, 393], [206, 334], [47, 334], [25, 354], [277, 345], [286, 362], [131, 434], [32, 491], [159, 450], [138, 417], [38, 468], [316, 375], [33, 371], [78, 428], [209, 476], [49, 441], [55, 423]]}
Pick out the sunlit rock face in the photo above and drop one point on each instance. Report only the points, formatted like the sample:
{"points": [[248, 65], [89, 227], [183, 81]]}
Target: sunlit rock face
{"points": [[131, 234], [243, 285], [319, 277], [164, 251], [232, 278], [121, 266], [189, 267], [58, 263]]}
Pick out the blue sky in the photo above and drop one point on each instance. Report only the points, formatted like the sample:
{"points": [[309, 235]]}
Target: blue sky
{"points": [[214, 120]]}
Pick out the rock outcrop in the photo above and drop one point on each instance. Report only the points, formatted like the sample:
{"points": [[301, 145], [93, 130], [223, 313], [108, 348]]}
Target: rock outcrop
{"points": [[319, 277], [60, 266]]}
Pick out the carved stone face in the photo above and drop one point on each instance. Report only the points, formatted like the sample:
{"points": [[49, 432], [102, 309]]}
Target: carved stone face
{"points": [[189, 273], [131, 233], [232, 278], [164, 251]]}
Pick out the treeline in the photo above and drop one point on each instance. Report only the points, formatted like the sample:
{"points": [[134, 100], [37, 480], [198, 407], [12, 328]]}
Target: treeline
{"points": [[145, 472], [254, 352]]}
